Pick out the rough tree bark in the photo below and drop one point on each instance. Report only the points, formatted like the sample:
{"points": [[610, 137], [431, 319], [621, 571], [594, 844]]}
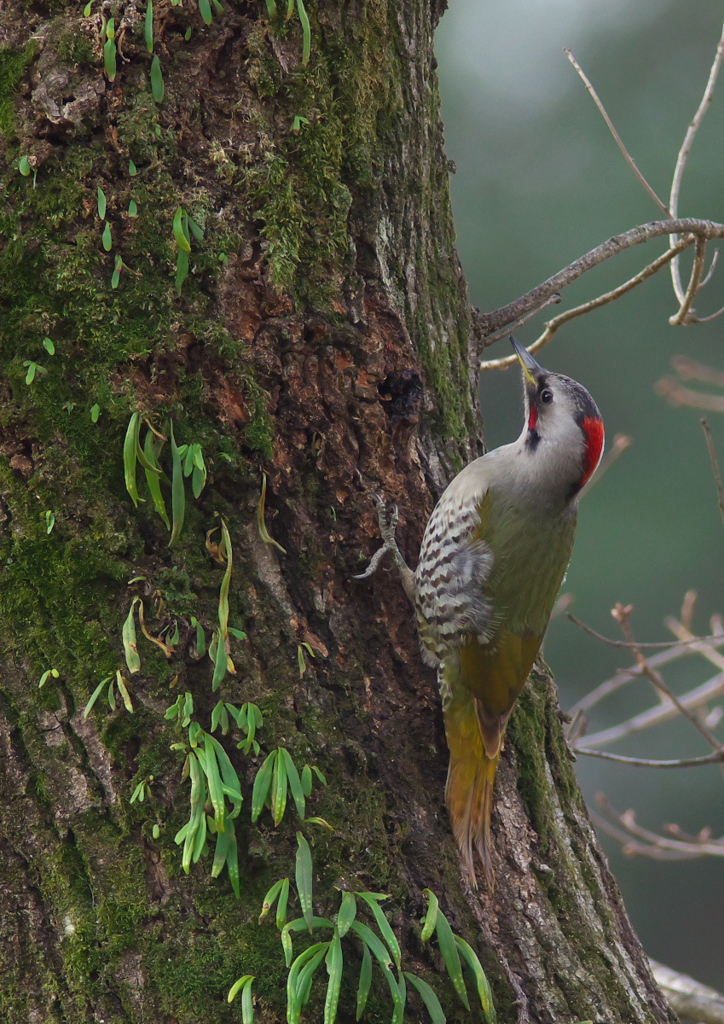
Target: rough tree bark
{"points": [[322, 338]]}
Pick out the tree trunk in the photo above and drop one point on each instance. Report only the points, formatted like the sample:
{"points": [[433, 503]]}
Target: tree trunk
{"points": [[322, 338]]}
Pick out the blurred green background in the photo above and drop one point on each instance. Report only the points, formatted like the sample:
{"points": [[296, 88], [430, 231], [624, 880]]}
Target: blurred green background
{"points": [[539, 182]]}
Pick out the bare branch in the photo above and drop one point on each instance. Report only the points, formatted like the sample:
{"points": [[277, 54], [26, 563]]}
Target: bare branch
{"points": [[688, 998], [627, 156], [641, 762], [699, 645], [710, 271], [715, 466], [534, 299], [677, 395], [686, 314], [684, 155]]}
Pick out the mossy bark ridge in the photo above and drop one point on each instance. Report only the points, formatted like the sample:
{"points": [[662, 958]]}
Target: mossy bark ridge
{"points": [[304, 316]]}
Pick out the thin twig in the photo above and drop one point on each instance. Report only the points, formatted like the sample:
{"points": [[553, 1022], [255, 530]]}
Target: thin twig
{"points": [[684, 155], [619, 445], [677, 396], [635, 646], [641, 762], [710, 271], [657, 847], [503, 332], [687, 369], [627, 156], [714, 466], [698, 644], [623, 617], [534, 299], [686, 314], [663, 712]]}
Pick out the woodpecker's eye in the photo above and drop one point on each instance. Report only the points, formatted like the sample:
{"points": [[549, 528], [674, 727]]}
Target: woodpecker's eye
{"points": [[546, 397]]}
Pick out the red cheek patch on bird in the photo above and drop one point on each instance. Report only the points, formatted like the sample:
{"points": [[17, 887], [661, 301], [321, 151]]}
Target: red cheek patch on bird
{"points": [[533, 417], [593, 432]]}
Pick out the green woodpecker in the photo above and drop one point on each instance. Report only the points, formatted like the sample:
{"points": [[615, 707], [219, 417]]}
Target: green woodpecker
{"points": [[493, 557]]}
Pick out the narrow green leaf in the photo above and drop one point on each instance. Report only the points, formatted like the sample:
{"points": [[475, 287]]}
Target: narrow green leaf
{"points": [[240, 983], [279, 789], [205, 11], [376, 945], [247, 1005], [157, 88], [111, 29], [271, 8], [347, 913], [260, 520], [111, 695], [152, 471], [216, 713], [133, 208], [213, 781], [32, 370], [262, 784], [200, 640], [182, 270], [449, 951], [198, 232], [365, 981], [49, 346], [220, 663], [303, 876], [87, 9], [281, 918], [132, 169], [109, 58], [148, 26], [178, 230], [270, 898], [225, 582], [482, 986], [122, 689], [178, 497], [294, 1003], [94, 696], [230, 780], [130, 645], [335, 962], [101, 203], [307, 780], [399, 1014], [117, 268], [319, 775], [24, 167], [304, 983], [306, 31], [107, 238], [432, 1003], [384, 926], [130, 446], [428, 925], [294, 782], [220, 852], [95, 413]]}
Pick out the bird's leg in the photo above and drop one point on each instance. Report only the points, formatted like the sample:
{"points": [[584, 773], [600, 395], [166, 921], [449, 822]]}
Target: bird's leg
{"points": [[388, 525]]}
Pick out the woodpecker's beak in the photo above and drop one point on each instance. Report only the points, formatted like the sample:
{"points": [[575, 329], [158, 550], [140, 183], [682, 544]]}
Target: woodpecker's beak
{"points": [[531, 369]]}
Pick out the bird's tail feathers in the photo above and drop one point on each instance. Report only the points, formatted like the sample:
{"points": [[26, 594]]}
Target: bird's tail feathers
{"points": [[475, 739]]}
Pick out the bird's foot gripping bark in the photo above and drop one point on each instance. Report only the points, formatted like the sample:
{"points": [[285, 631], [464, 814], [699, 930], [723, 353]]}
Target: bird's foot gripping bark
{"points": [[388, 525]]}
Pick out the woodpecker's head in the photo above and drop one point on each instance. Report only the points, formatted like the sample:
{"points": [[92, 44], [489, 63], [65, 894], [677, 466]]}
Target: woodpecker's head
{"points": [[563, 426]]}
